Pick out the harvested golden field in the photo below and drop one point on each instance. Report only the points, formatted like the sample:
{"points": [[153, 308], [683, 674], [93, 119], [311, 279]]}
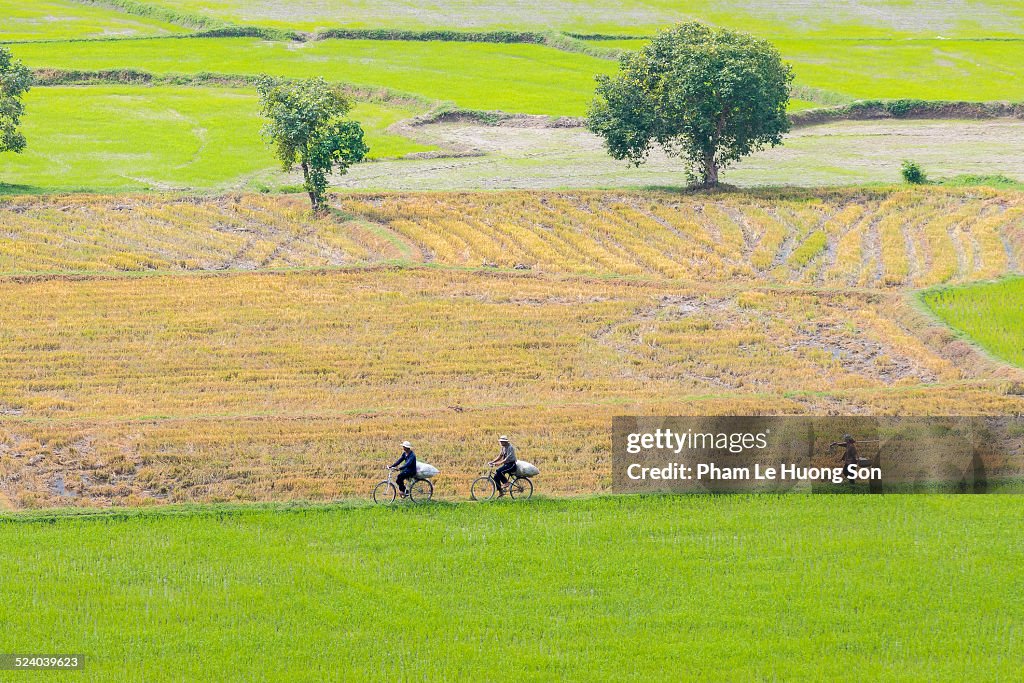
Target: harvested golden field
{"points": [[141, 360], [841, 238], [258, 386], [836, 239], [174, 232]]}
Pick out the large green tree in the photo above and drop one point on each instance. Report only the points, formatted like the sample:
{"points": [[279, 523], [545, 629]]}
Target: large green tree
{"points": [[309, 129], [15, 81], [707, 95]]}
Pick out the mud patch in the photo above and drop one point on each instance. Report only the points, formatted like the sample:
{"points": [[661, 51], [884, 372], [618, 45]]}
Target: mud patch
{"points": [[860, 355]]}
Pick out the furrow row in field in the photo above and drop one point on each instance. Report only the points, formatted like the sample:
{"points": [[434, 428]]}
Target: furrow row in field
{"points": [[886, 238], [139, 234], [901, 238]]}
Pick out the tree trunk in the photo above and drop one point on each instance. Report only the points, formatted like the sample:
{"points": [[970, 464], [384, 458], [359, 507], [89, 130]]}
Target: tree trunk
{"points": [[710, 162], [710, 169], [313, 198]]}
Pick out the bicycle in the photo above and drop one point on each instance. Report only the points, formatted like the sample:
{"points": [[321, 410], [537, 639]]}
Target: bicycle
{"points": [[485, 488], [420, 490]]}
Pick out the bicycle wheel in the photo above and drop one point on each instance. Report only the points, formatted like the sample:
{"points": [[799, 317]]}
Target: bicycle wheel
{"points": [[482, 489], [385, 493], [520, 488], [421, 491]]}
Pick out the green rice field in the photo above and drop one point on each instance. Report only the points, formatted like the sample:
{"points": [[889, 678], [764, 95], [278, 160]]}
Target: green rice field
{"points": [[203, 381], [535, 79], [604, 589], [110, 137], [542, 80], [931, 69], [989, 313], [854, 18], [162, 137], [64, 19]]}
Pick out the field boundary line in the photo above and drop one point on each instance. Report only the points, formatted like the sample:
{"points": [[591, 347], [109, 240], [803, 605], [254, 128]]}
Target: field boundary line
{"points": [[908, 109], [179, 510], [46, 77], [208, 27]]}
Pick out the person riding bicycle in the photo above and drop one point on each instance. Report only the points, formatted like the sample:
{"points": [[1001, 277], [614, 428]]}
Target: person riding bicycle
{"points": [[507, 461], [406, 466]]}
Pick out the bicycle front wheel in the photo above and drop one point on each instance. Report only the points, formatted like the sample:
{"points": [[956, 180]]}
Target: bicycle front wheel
{"points": [[385, 493], [520, 488], [421, 491], [482, 489]]}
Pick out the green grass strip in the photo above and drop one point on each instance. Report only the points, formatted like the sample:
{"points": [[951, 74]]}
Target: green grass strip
{"points": [[991, 314], [610, 588]]}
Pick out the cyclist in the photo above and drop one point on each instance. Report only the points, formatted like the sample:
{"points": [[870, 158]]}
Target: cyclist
{"points": [[507, 461], [406, 466]]}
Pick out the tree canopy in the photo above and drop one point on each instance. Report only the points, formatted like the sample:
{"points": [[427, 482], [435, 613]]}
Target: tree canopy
{"points": [[15, 81], [309, 129], [707, 95]]}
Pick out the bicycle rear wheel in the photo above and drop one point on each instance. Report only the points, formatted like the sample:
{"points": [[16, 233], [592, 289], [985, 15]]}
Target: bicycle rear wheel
{"points": [[520, 488], [482, 489], [421, 491], [385, 493]]}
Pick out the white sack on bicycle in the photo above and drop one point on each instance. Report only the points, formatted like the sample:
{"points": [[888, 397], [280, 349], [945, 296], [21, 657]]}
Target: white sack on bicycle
{"points": [[525, 469], [426, 470]]}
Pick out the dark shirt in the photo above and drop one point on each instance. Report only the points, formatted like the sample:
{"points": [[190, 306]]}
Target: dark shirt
{"points": [[508, 455], [406, 461], [850, 455]]}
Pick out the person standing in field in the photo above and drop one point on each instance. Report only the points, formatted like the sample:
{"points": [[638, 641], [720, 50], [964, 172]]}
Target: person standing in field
{"points": [[849, 455], [406, 466], [507, 461]]}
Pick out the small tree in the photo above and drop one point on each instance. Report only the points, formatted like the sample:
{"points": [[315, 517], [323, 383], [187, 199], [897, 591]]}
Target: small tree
{"points": [[913, 173], [309, 128], [15, 81], [710, 96]]}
